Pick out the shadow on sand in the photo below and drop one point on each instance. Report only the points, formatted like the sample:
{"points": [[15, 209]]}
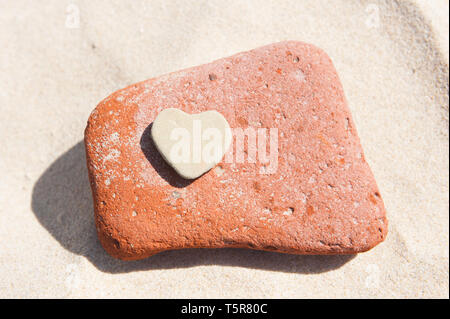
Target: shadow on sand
{"points": [[62, 202]]}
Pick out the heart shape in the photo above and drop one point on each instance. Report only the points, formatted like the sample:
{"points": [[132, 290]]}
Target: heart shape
{"points": [[191, 143]]}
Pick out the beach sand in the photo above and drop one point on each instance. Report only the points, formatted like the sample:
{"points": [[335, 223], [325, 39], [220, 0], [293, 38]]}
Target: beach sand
{"points": [[58, 59]]}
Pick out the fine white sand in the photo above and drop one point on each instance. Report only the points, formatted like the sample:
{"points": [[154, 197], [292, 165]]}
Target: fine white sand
{"points": [[391, 57]]}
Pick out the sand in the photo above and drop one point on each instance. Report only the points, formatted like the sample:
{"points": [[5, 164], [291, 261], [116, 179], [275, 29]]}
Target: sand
{"points": [[392, 60]]}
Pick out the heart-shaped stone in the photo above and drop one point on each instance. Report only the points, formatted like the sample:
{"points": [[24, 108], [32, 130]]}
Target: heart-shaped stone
{"points": [[191, 143]]}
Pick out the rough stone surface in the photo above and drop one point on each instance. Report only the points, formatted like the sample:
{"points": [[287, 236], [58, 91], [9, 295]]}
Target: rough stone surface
{"points": [[322, 199]]}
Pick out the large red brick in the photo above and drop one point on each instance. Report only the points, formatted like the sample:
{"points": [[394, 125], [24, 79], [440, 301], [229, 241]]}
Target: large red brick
{"points": [[322, 199]]}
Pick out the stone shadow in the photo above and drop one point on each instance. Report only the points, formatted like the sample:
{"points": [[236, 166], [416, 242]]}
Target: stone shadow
{"points": [[62, 202]]}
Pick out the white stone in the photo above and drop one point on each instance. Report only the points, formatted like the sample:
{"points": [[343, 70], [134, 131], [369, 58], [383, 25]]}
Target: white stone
{"points": [[191, 143]]}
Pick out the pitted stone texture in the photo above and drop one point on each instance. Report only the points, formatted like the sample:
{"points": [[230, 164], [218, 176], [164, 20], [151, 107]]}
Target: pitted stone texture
{"points": [[322, 199]]}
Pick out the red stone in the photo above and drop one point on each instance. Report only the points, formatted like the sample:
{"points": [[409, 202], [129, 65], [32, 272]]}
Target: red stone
{"points": [[323, 198]]}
